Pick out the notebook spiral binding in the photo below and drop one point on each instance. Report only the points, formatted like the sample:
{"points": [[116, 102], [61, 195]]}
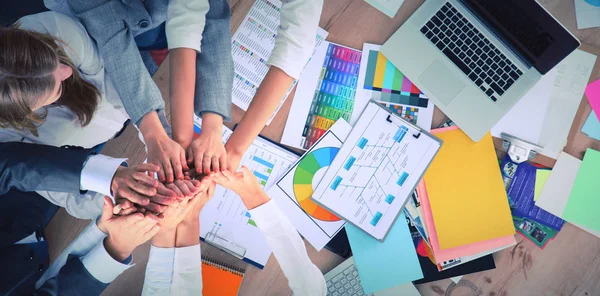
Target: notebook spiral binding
{"points": [[224, 266]]}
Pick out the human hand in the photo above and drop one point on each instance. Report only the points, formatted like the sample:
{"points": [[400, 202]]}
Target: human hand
{"points": [[132, 183], [125, 233], [207, 152], [184, 188], [177, 212], [245, 184], [168, 155], [207, 187], [158, 201]]}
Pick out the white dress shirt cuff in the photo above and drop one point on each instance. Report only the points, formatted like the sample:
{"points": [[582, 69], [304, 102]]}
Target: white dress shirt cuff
{"points": [[188, 259], [98, 172], [102, 266]]}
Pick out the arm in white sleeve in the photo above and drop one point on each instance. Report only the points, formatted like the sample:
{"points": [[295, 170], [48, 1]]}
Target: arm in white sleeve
{"points": [[185, 23], [173, 271], [304, 278], [187, 277], [296, 35], [98, 172], [102, 266], [159, 271]]}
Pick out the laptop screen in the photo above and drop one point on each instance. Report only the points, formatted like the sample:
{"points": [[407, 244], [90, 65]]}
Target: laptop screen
{"points": [[531, 30]]}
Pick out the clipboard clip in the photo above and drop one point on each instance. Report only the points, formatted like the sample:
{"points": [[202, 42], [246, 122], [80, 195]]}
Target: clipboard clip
{"points": [[389, 119], [225, 245], [519, 150]]}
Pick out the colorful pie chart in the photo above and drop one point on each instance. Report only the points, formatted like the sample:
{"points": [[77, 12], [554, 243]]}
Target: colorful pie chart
{"points": [[303, 181]]}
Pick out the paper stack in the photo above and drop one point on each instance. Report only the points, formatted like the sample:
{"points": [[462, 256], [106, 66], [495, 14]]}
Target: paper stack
{"points": [[464, 204]]}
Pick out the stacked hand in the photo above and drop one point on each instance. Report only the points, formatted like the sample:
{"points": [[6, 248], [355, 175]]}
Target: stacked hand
{"points": [[135, 191], [245, 184], [207, 152], [125, 233], [188, 207]]}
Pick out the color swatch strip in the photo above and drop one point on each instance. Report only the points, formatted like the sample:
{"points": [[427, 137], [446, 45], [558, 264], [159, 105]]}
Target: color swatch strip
{"points": [[334, 96], [382, 76]]}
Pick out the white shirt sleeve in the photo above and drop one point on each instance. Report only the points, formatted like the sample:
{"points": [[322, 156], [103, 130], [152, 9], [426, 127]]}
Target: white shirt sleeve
{"points": [[89, 247], [187, 277], [102, 266], [185, 23], [98, 172], [304, 278], [296, 35], [173, 271], [159, 271]]}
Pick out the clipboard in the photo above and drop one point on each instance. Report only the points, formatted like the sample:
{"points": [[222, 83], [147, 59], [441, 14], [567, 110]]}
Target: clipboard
{"points": [[345, 171]]}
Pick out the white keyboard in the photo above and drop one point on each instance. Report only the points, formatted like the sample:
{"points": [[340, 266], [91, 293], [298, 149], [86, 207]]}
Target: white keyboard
{"points": [[344, 280]]}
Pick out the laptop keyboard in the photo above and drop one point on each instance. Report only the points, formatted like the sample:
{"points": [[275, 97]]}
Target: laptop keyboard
{"points": [[345, 283], [471, 52]]}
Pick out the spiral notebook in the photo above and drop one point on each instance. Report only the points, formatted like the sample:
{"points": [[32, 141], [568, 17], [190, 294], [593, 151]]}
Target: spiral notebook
{"points": [[220, 279]]}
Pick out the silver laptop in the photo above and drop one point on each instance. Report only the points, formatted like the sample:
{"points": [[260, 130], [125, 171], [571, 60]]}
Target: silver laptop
{"points": [[476, 58], [343, 280]]}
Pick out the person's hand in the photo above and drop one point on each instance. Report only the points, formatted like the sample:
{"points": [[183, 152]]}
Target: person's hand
{"points": [[184, 188], [133, 183], [158, 201], [207, 152], [176, 212], [168, 155], [207, 187], [245, 184], [125, 233]]}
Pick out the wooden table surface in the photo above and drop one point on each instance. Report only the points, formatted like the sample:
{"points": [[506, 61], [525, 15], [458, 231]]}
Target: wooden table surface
{"points": [[569, 265]]}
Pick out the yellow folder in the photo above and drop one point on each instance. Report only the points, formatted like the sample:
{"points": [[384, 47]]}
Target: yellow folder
{"points": [[466, 191]]}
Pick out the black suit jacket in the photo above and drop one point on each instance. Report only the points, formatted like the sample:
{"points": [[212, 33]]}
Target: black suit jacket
{"points": [[25, 168], [31, 167]]}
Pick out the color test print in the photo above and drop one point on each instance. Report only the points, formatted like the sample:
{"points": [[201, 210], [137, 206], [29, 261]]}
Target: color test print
{"points": [[334, 96], [411, 114], [393, 87]]}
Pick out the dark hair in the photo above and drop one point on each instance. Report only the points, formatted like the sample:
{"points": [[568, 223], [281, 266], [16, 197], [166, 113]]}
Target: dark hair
{"points": [[27, 63]]}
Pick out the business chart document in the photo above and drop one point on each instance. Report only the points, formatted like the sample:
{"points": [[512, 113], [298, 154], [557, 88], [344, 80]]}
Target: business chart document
{"points": [[376, 170], [251, 48], [225, 221], [293, 191]]}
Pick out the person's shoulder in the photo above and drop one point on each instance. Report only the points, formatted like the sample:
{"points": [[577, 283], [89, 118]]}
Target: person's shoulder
{"points": [[49, 22]]}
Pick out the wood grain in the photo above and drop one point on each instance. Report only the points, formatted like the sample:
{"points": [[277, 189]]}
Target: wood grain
{"points": [[570, 264]]}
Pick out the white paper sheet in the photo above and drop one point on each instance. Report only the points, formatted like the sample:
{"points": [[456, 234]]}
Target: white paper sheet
{"points": [[388, 7], [292, 192], [375, 171], [557, 189], [225, 214], [543, 117], [251, 48], [588, 16]]}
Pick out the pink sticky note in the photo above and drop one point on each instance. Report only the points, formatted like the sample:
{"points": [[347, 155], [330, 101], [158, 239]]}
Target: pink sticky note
{"points": [[592, 92], [453, 253]]}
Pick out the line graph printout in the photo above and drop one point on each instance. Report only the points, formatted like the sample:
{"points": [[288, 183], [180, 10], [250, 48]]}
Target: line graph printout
{"points": [[224, 218], [376, 170], [251, 47]]}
